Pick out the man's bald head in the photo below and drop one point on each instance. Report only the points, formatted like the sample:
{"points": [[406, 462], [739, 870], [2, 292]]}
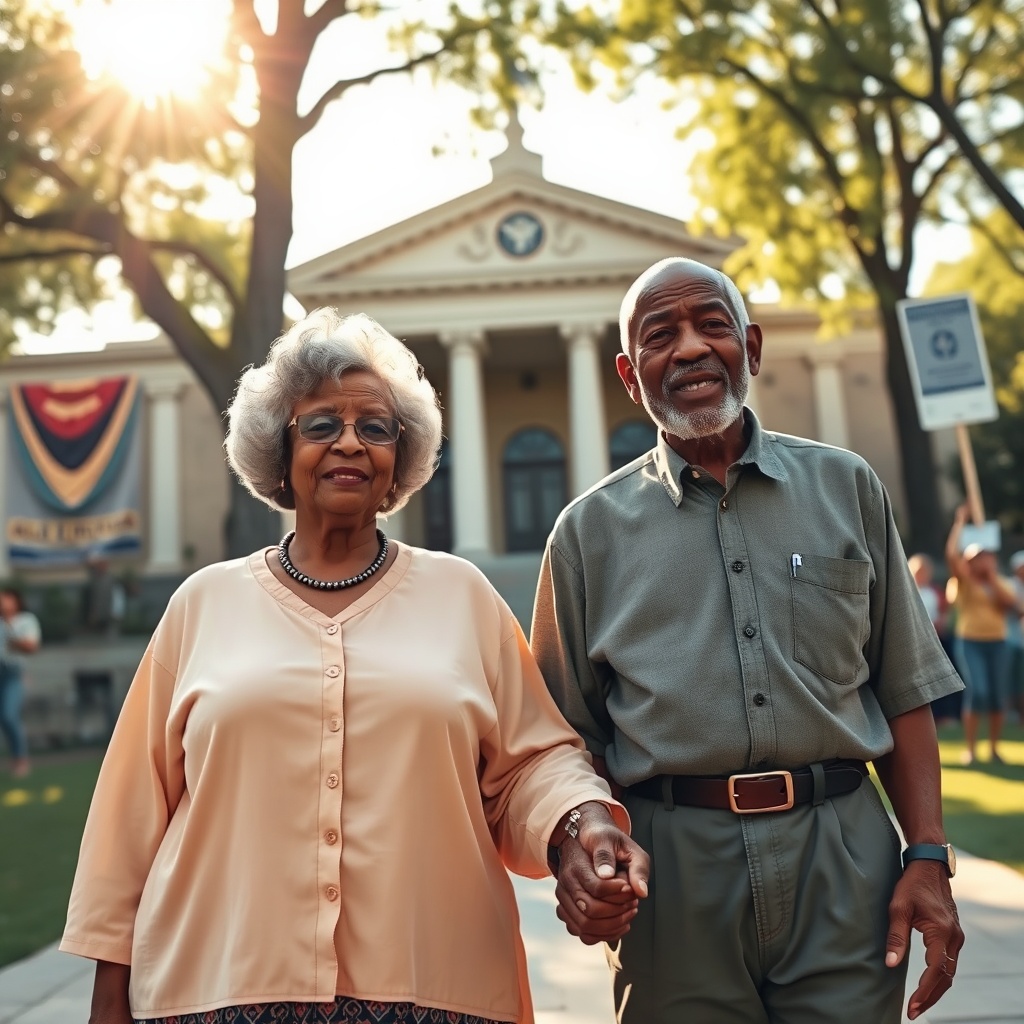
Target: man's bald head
{"points": [[679, 266]]}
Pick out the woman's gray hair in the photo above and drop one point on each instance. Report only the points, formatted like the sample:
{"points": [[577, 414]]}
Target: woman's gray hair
{"points": [[311, 353]]}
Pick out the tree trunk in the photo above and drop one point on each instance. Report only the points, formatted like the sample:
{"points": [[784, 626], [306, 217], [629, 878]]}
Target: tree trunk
{"points": [[249, 524], [925, 529]]}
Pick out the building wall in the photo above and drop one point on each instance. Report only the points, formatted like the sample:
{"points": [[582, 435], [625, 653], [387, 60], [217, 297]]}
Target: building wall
{"points": [[515, 400], [870, 418], [204, 480], [785, 396]]}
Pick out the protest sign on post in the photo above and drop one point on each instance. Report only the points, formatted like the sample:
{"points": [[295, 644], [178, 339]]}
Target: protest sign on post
{"points": [[950, 374], [948, 362]]}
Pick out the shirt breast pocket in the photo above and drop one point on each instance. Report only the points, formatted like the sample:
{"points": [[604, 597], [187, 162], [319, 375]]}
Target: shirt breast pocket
{"points": [[831, 599]]}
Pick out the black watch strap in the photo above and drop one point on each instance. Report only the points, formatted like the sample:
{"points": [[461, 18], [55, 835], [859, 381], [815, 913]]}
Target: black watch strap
{"points": [[930, 851]]}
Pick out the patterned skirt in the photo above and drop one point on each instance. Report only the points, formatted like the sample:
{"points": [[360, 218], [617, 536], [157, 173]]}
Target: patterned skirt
{"points": [[342, 1010]]}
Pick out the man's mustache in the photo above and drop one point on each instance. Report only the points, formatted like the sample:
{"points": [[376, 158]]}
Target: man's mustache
{"points": [[706, 365]]}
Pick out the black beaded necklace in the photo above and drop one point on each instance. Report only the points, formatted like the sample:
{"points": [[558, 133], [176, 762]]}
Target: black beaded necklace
{"points": [[308, 581]]}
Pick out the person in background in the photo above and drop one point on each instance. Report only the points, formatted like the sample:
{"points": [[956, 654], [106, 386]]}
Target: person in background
{"points": [[1015, 636], [947, 708], [20, 636], [334, 748], [103, 600], [983, 601]]}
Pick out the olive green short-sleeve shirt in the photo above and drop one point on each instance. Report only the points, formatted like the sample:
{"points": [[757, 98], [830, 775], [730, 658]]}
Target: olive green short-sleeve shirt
{"points": [[686, 628]]}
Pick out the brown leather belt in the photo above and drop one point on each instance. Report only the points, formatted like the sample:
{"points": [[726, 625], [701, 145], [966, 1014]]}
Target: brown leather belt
{"points": [[756, 792]]}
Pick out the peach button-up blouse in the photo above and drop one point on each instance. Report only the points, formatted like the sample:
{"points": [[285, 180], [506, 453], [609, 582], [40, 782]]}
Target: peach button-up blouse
{"points": [[294, 807]]}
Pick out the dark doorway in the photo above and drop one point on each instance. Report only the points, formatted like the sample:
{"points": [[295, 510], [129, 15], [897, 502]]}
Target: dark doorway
{"points": [[629, 441], [535, 488], [437, 505]]}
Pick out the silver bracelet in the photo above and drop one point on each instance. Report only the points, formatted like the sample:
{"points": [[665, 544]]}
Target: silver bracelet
{"points": [[572, 825]]}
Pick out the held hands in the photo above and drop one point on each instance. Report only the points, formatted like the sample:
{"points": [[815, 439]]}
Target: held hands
{"points": [[923, 900], [601, 874]]}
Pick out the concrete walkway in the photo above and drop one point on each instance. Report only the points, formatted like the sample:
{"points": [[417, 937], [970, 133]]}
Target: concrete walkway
{"points": [[570, 980]]}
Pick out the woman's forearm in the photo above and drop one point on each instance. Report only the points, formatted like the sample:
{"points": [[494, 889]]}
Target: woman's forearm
{"points": [[110, 994]]}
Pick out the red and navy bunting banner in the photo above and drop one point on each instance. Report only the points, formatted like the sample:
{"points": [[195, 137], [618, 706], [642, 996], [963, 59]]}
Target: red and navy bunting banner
{"points": [[73, 470]]}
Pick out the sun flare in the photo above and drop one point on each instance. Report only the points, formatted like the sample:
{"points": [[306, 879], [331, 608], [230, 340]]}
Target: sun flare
{"points": [[154, 48]]}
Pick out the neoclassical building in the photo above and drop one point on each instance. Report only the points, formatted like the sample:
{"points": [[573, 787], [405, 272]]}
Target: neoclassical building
{"points": [[509, 297]]}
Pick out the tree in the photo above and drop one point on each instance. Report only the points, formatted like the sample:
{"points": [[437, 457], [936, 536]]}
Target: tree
{"points": [[995, 259], [90, 178], [832, 131]]}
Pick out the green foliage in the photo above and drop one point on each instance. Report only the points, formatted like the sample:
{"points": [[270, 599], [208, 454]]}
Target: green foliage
{"points": [[83, 160], [829, 130], [994, 274]]}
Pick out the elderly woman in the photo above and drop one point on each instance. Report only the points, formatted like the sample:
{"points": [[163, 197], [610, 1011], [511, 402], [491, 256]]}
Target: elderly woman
{"points": [[333, 749]]}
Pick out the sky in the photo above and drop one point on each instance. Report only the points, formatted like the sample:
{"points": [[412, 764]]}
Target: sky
{"points": [[401, 145]]}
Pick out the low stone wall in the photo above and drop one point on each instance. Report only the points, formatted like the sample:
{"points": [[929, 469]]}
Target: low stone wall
{"points": [[74, 690]]}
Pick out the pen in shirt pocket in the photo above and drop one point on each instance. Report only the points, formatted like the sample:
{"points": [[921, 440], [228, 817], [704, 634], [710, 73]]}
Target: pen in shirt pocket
{"points": [[795, 561]]}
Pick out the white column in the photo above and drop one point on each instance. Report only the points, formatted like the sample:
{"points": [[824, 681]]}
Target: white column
{"points": [[753, 401], [470, 493], [588, 431], [829, 403], [4, 566], [396, 525], [164, 477]]}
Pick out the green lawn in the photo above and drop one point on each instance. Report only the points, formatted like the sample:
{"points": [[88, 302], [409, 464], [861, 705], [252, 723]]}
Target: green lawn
{"points": [[984, 804], [41, 820], [41, 823]]}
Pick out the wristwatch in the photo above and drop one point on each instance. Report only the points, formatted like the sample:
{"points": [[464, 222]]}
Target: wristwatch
{"points": [[931, 851], [573, 828]]}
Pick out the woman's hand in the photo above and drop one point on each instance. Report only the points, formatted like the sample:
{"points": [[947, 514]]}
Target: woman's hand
{"points": [[601, 874], [110, 994]]}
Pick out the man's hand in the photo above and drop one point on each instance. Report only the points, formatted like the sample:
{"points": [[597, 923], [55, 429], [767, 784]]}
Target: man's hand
{"points": [[601, 874], [923, 900]]}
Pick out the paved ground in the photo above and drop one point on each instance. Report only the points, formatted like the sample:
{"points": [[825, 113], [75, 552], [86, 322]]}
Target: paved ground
{"points": [[570, 981]]}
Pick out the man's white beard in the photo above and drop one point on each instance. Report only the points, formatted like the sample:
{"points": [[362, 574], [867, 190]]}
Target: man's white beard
{"points": [[688, 426]]}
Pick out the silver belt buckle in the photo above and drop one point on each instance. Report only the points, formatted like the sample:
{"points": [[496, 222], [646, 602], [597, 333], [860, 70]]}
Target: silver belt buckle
{"points": [[784, 806]]}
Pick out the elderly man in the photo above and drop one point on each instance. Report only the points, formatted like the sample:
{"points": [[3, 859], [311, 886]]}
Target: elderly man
{"points": [[730, 625]]}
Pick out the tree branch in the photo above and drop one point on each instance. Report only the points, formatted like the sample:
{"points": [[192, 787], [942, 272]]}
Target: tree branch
{"points": [[52, 169], [798, 116], [336, 91], [243, 14], [52, 254], [972, 153], [937, 175], [211, 364], [968, 66], [329, 11], [909, 201], [1015, 262], [217, 272]]}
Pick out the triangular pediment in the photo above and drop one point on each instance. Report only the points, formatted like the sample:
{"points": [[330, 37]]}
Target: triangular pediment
{"points": [[518, 232]]}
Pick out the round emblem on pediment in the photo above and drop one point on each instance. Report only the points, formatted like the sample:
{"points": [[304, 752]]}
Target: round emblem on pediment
{"points": [[520, 234]]}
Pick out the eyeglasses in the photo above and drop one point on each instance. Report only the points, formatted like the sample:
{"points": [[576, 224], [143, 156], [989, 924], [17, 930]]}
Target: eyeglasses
{"points": [[325, 428]]}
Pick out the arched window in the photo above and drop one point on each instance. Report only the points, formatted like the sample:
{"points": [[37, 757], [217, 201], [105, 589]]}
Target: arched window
{"points": [[630, 440], [533, 467], [437, 505]]}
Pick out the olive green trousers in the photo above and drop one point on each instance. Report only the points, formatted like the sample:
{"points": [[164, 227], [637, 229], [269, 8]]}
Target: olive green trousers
{"points": [[752, 919]]}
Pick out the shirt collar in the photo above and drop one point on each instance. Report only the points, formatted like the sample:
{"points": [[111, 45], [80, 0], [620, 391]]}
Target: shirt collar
{"points": [[673, 468]]}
